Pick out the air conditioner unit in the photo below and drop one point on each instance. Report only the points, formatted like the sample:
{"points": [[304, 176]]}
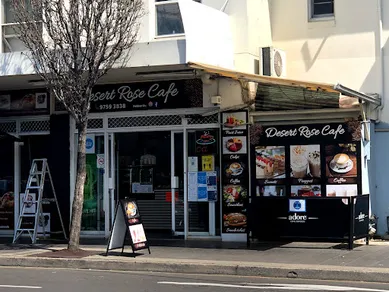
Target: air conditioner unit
{"points": [[272, 62]]}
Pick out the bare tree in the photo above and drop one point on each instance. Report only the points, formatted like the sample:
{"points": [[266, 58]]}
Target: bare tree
{"points": [[72, 44]]}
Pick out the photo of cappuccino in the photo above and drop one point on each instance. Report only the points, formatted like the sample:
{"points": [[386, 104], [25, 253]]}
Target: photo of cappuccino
{"points": [[341, 160]]}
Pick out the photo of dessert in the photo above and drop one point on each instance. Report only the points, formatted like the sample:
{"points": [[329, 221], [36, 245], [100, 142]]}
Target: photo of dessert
{"points": [[270, 191], [306, 191], [305, 161], [234, 120], [270, 162], [234, 169], [341, 160], [235, 145], [342, 190]]}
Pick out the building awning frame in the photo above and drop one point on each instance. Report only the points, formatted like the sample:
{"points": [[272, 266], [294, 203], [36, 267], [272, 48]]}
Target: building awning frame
{"points": [[314, 86]]}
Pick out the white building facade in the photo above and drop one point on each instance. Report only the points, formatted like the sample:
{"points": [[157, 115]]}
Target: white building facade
{"points": [[343, 41]]}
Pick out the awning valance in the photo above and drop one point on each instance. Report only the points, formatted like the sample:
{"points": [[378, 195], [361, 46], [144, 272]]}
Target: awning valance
{"points": [[296, 93]]}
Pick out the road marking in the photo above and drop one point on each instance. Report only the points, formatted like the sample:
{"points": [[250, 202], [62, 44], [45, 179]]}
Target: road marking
{"points": [[22, 287], [275, 286], [319, 287]]}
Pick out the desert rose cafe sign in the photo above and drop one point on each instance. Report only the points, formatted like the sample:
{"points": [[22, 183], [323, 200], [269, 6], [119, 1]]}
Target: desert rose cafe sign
{"points": [[147, 96], [305, 131], [308, 133]]}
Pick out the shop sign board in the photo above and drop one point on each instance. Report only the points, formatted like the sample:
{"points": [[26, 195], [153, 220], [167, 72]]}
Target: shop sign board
{"points": [[24, 102], [234, 172], [127, 223], [147, 96], [314, 160]]}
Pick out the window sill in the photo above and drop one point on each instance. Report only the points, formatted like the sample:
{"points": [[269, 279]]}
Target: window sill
{"points": [[321, 22], [169, 37]]}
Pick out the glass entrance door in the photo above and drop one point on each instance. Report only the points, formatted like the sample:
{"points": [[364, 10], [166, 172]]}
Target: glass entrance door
{"points": [[193, 215]]}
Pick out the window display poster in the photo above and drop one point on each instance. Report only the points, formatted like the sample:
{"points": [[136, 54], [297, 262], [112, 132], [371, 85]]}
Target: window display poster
{"points": [[235, 183], [208, 162], [193, 163], [202, 186], [315, 160]]}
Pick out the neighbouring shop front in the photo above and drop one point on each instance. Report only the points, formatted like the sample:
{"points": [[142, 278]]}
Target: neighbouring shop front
{"points": [[25, 115], [151, 141]]}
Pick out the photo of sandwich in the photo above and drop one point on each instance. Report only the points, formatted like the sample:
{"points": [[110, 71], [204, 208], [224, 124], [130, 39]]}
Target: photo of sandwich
{"points": [[234, 220], [341, 160]]}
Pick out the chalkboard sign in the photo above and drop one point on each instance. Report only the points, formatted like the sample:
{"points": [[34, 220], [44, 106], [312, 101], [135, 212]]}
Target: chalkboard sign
{"points": [[127, 222]]}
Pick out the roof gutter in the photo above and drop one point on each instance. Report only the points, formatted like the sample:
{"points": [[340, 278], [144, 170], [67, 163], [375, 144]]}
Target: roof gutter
{"points": [[351, 92]]}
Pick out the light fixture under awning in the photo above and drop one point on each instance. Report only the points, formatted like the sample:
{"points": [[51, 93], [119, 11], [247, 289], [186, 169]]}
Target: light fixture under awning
{"points": [[299, 93]]}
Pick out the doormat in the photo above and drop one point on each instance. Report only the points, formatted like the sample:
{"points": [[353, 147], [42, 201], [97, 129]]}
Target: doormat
{"points": [[64, 253]]}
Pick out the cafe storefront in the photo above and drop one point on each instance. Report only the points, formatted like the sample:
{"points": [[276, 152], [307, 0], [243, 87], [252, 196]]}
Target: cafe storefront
{"points": [[153, 142]]}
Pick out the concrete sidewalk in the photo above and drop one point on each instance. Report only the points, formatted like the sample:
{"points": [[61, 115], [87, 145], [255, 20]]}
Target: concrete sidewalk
{"points": [[303, 260]]}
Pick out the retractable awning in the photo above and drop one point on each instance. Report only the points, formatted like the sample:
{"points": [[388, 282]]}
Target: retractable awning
{"points": [[287, 94], [8, 138]]}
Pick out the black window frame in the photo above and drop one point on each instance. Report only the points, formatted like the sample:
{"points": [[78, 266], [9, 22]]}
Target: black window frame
{"points": [[315, 3]]}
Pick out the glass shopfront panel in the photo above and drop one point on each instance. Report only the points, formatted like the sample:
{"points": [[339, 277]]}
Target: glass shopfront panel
{"points": [[7, 186], [93, 214]]}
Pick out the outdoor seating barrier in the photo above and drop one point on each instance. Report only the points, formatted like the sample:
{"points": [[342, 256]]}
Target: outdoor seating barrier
{"points": [[330, 219]]}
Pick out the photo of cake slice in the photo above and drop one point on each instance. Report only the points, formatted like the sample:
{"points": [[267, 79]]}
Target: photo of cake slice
{"points": [[234, 144]]}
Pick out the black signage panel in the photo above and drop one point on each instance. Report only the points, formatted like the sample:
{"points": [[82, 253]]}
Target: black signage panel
{"points": [[147, 96], [24, 102], [235, 171], [127, 222], [361, 216], [275, 218]]}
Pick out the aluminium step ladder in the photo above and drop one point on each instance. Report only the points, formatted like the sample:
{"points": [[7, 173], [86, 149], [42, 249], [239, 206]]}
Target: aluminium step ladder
{"points": [[35, 184]]}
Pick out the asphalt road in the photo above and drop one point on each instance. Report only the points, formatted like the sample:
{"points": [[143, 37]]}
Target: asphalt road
{"points": [[61, 280]]}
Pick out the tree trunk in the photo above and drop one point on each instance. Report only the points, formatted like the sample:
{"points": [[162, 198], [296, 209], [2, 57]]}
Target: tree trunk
{"points": [[78, 200]]}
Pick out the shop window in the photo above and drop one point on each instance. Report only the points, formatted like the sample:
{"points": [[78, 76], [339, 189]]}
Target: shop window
{"points": [[10, 29], [168, 18], [7, 187], [321, 8]]}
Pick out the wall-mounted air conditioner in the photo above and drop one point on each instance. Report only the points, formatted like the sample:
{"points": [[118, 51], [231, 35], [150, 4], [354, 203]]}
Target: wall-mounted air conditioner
{"points": [[272, 62]]}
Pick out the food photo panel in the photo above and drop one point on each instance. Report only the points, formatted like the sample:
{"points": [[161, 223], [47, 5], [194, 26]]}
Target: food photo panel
{"points": [[235, 145], [341, 163], [270, 191], [234, 169], [305, 161], [234, 121], [234, 195], [270, 162], [306, 191], [342, 190]]}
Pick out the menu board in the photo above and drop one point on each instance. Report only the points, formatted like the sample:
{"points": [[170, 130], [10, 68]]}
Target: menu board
{"points": [[308, 160], [235, 161], [128, 222]]}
